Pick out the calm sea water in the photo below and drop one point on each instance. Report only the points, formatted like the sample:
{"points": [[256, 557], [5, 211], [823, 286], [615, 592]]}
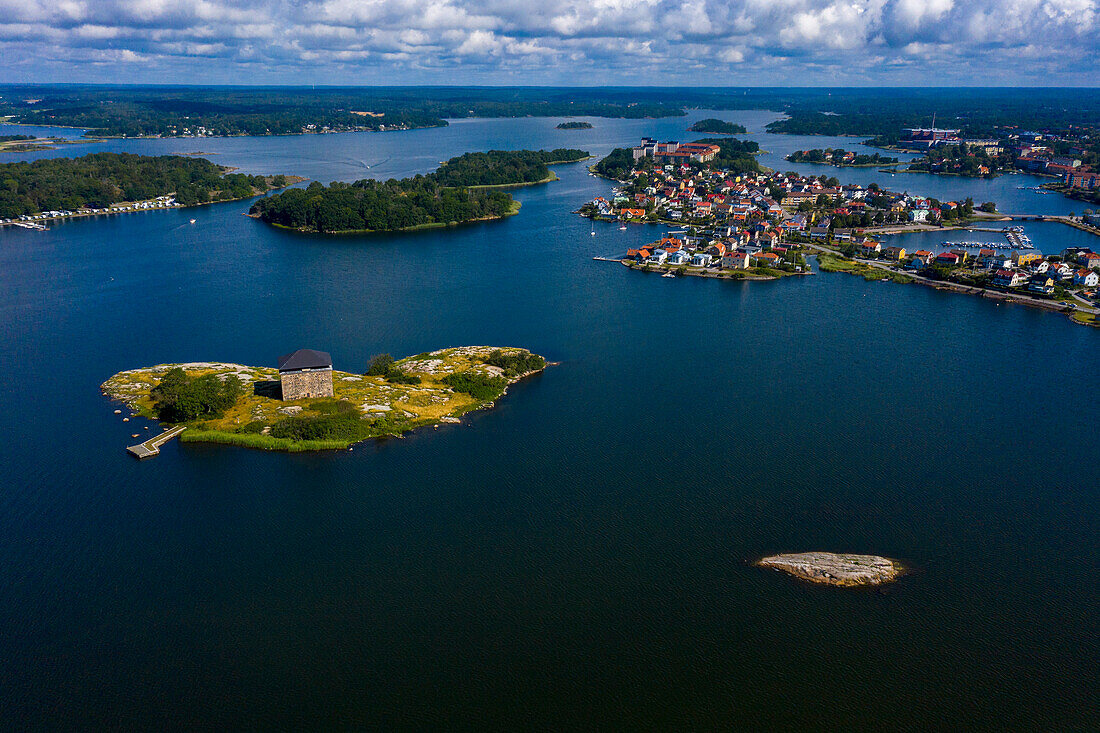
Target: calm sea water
{"points": [[579, 556]]}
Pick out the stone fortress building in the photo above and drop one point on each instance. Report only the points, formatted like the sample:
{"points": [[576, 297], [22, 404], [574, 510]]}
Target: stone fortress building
{"points": [[305, 374]]}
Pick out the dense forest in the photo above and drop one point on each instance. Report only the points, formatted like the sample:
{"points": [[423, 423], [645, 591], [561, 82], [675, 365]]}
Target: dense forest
{"points": [[439, 198], [120, 110], [371, 205], [883, 113], [174, 111], [15, 138], [503, 167], [574, 126], [736, 156], [837, 157], [101, 179], [717, 126]]}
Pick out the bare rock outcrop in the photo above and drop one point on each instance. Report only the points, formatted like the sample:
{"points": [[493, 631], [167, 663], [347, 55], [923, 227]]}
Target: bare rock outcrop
{"points": [[829, 568]]}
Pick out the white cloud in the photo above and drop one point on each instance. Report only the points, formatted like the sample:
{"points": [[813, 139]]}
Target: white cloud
{"points": [[672, 41]]}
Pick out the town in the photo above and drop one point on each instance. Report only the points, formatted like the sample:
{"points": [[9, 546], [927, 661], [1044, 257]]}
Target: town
{"points": [[947, 151], [763, 225]]}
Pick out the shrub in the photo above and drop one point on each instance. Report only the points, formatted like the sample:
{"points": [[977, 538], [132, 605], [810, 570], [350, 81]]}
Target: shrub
{"points": [[180, 398], [383, 366], [516, 364], [478, 386]]}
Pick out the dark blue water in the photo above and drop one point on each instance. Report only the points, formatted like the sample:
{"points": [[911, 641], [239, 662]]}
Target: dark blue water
{"points": [[579, 556]]}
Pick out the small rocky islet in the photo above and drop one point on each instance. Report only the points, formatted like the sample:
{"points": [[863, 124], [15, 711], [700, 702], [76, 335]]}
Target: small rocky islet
{"points": [[843, 570]]}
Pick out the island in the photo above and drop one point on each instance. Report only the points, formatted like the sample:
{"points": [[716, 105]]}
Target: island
{"points": [[116, 182], [720, 127], [303, 404], [460, 191], [574, 126], [829, 568], [840, 158]]}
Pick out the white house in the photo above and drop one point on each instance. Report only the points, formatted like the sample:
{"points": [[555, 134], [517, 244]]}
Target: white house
{"points": [[1088, 278]]}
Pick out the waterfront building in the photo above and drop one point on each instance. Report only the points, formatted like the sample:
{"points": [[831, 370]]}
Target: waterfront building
{"points": [[305, 374]]}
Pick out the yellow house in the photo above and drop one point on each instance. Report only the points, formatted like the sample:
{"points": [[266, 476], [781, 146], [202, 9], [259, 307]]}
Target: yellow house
{"points": [[1023, 259], [895, 253]]}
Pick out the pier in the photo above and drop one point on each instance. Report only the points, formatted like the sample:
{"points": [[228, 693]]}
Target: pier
{"points": [[151, 447]]}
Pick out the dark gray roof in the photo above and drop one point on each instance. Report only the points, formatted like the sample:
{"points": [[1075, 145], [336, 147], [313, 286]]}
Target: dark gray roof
{"points": [[305, 359]]}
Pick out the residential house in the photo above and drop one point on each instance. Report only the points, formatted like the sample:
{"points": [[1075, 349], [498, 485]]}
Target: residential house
{"points": [[896, 254], [1023, 259], [701, 259], [736, 260], [1043, 284], [949, 259], [1088, 278], [766, 259], [870, 248], [1007, 278]]}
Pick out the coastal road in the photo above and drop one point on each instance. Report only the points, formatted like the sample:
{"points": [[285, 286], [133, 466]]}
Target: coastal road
{"points": [[963, 288]]}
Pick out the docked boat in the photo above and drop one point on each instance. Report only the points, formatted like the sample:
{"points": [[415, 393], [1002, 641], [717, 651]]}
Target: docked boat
{"points": [[669, 274]]}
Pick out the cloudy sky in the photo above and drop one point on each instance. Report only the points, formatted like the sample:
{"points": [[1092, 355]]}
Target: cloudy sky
{"points": [[581, 42]]}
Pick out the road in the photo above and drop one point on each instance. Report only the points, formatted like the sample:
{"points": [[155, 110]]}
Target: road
{"points": [[1043, 303]]}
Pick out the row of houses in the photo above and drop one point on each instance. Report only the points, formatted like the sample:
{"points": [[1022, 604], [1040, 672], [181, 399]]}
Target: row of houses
{"points": [[734, 254]]}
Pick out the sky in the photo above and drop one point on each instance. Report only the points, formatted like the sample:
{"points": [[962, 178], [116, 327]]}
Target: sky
{"points": [[567, 42]]}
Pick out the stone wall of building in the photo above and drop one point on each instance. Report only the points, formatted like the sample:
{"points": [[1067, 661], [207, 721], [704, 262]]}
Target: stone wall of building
{"points": [[306, 384]]}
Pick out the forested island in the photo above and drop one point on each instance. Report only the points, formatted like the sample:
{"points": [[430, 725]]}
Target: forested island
{"points": [[242, 405], [736, 156], [713, 125], [99, 180], [839, 157], [573, 126], [459, 191]]}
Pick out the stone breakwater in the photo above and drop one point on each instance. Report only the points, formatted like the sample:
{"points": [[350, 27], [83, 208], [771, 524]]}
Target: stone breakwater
{"points": [[830, 568]]}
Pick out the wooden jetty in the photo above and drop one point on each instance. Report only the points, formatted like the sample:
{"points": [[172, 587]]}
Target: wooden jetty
{"points": [[151, 447]]}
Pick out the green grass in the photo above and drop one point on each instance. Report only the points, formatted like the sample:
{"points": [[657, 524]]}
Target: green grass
{"points": [[833, 263], [263, 442]]}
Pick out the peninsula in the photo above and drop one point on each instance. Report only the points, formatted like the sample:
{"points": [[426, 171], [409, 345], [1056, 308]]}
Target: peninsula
{"points": [[303, 404], [827, 568], [459, 191], [116, 182]]}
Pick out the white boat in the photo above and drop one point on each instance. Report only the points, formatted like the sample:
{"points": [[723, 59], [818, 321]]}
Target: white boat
{"points": [[668, 274], [622, 228], [192, 221]]}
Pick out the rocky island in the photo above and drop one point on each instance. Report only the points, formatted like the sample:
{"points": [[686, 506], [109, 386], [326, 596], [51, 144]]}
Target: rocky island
{"points": [[304, 404], [574, 126], [843, 570]]}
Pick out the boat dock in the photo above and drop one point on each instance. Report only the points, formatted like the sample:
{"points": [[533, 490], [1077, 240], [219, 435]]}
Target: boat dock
{"points": [[151, 447]]}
